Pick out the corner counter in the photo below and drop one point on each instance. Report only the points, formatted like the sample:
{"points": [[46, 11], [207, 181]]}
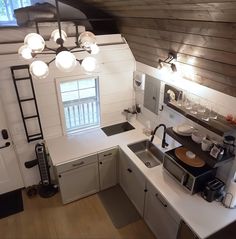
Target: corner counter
{"points": [[203, 218]]}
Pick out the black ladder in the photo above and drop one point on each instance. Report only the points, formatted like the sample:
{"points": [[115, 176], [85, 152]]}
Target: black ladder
{"points": [[24, 70]]}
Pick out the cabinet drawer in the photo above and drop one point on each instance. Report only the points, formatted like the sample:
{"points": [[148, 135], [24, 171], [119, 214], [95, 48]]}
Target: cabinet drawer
{"points": [[107, 154], [76, 163], [155, 193]]}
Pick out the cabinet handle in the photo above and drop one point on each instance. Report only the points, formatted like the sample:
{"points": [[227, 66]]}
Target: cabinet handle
{"points": [[59, 175], [106, 155], [100, 162], [163, 203], [78, 164], [129, 170], [145, 190]]}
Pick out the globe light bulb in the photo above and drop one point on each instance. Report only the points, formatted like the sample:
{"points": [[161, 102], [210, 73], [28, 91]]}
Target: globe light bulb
{"points": [[56, 35], [94, 49], [25, 52], [89, 63], [35, 42], [65, 61], [39, 69], [86, 39]]}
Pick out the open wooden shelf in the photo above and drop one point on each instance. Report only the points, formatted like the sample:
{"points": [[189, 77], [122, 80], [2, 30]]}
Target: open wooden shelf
{"points": [[219, 126], [196, 148]]}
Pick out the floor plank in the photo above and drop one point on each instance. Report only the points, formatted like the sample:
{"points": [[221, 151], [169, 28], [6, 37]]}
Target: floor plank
{"points": [[83, 219]]}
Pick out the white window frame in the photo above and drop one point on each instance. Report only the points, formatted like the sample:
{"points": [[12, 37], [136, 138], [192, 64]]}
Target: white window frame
{"points": [[61, 106], [10, 9]]}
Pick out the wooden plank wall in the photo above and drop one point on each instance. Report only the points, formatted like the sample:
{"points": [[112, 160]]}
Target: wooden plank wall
{"points": [[202, 32]]}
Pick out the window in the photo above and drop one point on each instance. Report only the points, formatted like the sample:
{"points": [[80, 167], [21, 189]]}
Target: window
{"points": [[80, 103], [7, 10]]}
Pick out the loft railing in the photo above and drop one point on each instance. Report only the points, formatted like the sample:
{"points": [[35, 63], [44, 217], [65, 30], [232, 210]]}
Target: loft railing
{"points": [[80, 114]]}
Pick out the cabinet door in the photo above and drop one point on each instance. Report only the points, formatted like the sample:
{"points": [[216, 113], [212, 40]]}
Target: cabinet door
{"points": [[78, 183], [160, 217], [108, 168], [132, 181]]}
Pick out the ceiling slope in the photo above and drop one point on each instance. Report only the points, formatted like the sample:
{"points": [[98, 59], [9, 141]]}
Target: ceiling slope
{"points": [[202, 32]]}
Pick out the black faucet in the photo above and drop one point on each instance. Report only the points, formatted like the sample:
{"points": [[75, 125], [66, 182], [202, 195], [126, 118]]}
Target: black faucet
{"points": [[163, 143]]}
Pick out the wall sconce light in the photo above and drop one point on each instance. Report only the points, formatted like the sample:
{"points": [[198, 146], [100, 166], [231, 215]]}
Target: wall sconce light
{"points": [[171, 56]]}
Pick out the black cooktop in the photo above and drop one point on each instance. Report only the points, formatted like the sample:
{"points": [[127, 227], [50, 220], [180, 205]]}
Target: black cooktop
{"points": [[195, 171], [117, 128]]}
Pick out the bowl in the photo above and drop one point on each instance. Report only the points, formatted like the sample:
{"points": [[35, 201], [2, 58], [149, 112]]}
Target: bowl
{"points": [[197, 137]]}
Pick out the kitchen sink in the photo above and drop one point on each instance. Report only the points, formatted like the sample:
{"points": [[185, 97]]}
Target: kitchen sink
{"points": [[147, 152], [117, 128]]}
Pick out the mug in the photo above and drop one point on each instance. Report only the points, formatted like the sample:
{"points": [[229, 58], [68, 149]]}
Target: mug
{"points": [[206, 144]]}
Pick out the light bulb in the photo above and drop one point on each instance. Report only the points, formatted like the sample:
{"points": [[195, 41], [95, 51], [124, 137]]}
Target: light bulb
{"points": [[56, 35], [94, 49], [65, 61], [89, 63], [86, 39], [35, 42], [25, 52], [39, 69]]}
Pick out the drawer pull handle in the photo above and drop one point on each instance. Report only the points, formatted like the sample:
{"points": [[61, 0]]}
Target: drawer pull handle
{"points": [[106, 155], [129, 170], [164, 204], [78, 164], [100, 162]]}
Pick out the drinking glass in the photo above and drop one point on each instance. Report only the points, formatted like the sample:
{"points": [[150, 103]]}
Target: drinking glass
{"points": [[201, 106], [213, 111], [195, 104], [187, 102], [180, 99], [206, 114]]}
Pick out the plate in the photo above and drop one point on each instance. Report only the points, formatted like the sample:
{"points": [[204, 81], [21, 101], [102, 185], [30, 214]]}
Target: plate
{"points": [[185, 129], [175, 129]]}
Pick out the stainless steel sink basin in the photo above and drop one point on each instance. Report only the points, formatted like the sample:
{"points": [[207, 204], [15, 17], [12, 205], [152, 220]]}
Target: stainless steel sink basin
{"points": [[147, 152]]}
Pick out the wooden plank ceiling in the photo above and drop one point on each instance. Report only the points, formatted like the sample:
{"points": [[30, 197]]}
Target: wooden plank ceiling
{"points": [[202, 32]]}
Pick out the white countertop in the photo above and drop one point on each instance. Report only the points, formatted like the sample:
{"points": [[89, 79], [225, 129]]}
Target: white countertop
{"points": [[203, 217]]}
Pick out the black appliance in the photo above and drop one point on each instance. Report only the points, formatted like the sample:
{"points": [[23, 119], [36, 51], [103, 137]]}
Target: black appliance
{"points": [[46, 188], [191, 178], [213, 190]]}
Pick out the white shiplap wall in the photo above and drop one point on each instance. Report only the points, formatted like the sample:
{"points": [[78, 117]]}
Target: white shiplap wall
{"points": [[225, 105], [115, 70]]}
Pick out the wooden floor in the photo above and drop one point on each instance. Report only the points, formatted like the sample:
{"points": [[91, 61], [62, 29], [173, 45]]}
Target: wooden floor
{"points": [[83, 219]]}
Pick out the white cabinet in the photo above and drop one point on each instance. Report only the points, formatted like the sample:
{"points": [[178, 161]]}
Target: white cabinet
{"points": [[108, 168], [78, 179], [132, 181], [159, 215]]}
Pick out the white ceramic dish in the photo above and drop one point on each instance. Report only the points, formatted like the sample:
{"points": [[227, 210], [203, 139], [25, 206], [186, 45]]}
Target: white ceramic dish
{"points": [[183, 133], [197, 137], [185, 129]]}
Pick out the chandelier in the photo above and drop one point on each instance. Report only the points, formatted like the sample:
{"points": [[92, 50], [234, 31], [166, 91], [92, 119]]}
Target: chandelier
{"points": [[65, 59]]}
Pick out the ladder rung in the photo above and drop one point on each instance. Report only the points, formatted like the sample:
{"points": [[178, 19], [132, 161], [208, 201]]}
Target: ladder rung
{"points": [[33, 139], [20, 67], [30, 117], [27, 99], [22, 78], [33, 135]]}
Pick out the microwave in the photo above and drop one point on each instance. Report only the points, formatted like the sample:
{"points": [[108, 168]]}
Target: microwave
{"points": [[191, 178]]}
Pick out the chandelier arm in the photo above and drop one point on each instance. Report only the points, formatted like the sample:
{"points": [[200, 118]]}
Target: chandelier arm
{"points": [[51, 49], [51, 61], [80, 61], [74, 47], [58, 20], [79, 50]]}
